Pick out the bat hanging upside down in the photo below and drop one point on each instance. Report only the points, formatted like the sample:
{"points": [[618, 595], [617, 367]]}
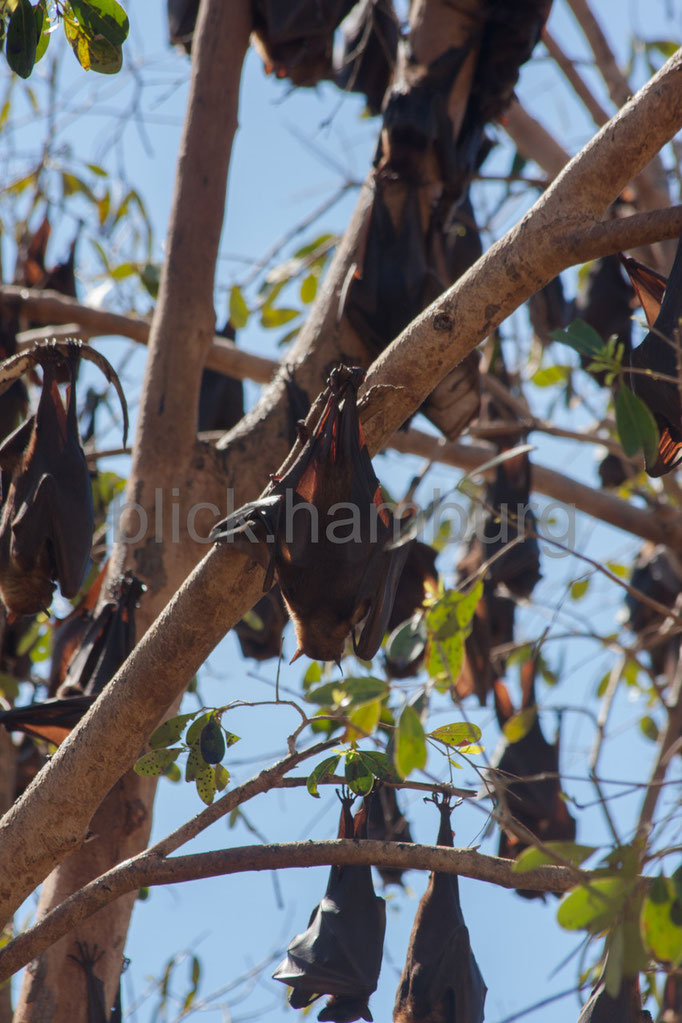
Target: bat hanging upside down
{"points": [[323, 529]]}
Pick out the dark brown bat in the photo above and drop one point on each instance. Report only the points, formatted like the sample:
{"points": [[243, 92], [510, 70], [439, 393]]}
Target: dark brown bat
{"points": [[419, 573], [265, 642], [370, 42], [386, 823], [182, 19], [605, 301], [537, 804], [87, 959], [671, 1002], [221, 397], [625, 1008], [658, 354], [340, 952], [548, 310], [649, 286], [68, 633], [325, 532], [657, 574], [47, 516], [441, 981], [107, 641], [295, 38]]}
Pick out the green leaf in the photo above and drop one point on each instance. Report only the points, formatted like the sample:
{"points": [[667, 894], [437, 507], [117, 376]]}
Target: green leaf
{"points": [[325, 769], [155, 762], [592, 908], [195, 763], [309, 289], [409, 749], [444, 660], [570, 852], [613, 970], [649, 728], [105, 18], [550, 376], [380, 764], [150, 275], [173, 773], [666, 47], [519, 725], [222, 777], [579, 588], [194, 730], [636, 425], [276, 317], [660, 922], [363, 720], [239, 311], [358, 776], [581, 337], [170, 731], [460, 733], [406, 643], [467, 604], [42, 30], [349, 692], [205, 783], [21, 42]]}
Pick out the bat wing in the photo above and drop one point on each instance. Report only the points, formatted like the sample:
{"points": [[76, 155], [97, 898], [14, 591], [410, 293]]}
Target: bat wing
{"points": [[51, 720]]}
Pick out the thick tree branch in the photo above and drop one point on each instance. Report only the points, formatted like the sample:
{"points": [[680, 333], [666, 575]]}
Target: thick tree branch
{"points": [[128, 877], [51, 818]]}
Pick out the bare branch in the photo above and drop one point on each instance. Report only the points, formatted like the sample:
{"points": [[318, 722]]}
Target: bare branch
{"points": [[578, 84]]}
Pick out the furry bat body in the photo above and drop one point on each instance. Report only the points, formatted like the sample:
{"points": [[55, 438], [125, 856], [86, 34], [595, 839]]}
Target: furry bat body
{"points": [[335, 571], [340, 952], [537, 804], [441, 981], [47, 516]]}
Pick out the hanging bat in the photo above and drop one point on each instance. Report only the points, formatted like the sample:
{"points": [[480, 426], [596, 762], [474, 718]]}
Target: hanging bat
{"points": [[418, 575], [441, 981], [107, 641], [657, 573], [265, 642], [537, 804], [221, 397], [386, 823], [370, 42], [340, 952], [492, 627], [295, 39], [97, 1013], [182, 19], [517, 566], [548, 310], [68, 633], [335, 580], [649, 286], [625, 1008], [658, 354], [47, 516]]}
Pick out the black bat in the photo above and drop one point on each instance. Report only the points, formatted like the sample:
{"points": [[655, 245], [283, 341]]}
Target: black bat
{"points": [[492, 627], [625, 1008], [221, 397], [419, 573], [265, 641], [334, 579], [441, 981], [107, 641], [656, 575], [97, 1013], [295, 39], [549, 310], [68, 633], [182, 19], [47, 516], [370, 42], [537, 804], [605, 301], [386, 823], [340, 952], [658, 354]]}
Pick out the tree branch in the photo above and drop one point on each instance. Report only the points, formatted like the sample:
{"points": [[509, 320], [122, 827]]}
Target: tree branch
{"points": [[148, 871]]}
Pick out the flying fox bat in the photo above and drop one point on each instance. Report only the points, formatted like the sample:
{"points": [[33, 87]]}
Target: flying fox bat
{"points": [[87, 958], [625, 1008], [441, 981], [657, 573], [221, 397], [537, 804], [340, 952], [295, 39], [370, 42], [107, 641], [47, 517], [517, 565], [649, 286], [386, 823], [333, 578], [68, 633], [419, 572], [658, 354], [182, 19], [265, 642]]}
